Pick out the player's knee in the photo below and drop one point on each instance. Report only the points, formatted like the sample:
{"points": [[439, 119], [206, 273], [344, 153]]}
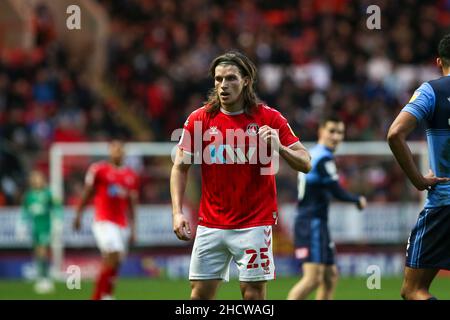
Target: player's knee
{"points": [[406, 292], [253, 294], [314, 280], [198, 295], [113, 259], [411, 290], [331, 279], [201, 295], [253, 290], [403, 294], [201, 292], [311, 283]]}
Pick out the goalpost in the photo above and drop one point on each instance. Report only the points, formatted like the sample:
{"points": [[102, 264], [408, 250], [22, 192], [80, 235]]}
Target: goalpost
{"points": [[60, 150]]}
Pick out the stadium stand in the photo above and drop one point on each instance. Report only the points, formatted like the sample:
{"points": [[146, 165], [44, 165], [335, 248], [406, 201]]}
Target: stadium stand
{"points": [[314, 57], [138, 68]]}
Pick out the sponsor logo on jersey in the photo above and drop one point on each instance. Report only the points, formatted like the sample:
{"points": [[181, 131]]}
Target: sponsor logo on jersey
{"points": [[236, 147], [225, 153], [414, 96], [115, 190]]}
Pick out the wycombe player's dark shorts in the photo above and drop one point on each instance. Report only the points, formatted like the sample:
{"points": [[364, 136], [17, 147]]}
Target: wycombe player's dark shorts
{"points": [[312, 241], [429, 241]]}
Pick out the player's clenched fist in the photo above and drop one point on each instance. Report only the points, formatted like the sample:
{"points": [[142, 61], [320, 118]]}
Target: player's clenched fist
{"points": [[181, 227], [269, 136]]}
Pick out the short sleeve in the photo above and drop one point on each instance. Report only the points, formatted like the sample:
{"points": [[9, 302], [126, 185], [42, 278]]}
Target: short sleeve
{"points": [[192, 123], [92, 174], [421, 105], [287, 136]]}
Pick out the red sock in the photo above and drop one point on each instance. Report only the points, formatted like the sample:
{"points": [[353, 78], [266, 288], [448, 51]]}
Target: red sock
{"points": [[109, 283], [104, 284]]}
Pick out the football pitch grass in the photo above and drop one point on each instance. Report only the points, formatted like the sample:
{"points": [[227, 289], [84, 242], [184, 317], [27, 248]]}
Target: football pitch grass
{"points": [[165, 289]]}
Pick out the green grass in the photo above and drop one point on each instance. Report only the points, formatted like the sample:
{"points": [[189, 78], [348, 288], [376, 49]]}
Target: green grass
{"points": [[164, 289]]}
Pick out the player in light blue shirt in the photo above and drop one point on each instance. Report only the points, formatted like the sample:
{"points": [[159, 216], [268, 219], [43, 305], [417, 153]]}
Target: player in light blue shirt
{"points": [[428, 248]]}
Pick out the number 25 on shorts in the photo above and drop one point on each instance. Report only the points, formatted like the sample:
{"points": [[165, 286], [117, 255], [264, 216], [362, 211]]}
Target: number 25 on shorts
{"points": [[262, 256]]}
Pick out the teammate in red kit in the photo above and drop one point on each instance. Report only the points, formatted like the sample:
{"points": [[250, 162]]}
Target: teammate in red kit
{"points": [[115, 190], [229, 136]]}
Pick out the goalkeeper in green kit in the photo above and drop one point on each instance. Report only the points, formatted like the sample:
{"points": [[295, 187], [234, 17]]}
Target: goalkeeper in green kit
{"points": [[39, 210]]}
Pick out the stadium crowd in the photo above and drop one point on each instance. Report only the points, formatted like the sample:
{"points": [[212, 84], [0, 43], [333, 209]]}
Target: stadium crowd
{"points": [[314, 57], [43, 100]]}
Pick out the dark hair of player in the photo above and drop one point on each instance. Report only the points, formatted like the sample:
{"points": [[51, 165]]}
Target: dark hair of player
{"points": [[444, 50], [246, 68], [329, 118]]}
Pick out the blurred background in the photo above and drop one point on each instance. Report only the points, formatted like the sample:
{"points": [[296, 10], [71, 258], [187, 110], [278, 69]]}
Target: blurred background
{"points": [[137, 68]]}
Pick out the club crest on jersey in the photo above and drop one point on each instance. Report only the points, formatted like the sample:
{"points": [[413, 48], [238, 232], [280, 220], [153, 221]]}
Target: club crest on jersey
{"points": [[252, 129]]}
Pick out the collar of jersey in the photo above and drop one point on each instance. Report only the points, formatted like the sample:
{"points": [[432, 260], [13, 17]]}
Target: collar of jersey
{"points": [[228, 113], [326, 148], [117, 167]]}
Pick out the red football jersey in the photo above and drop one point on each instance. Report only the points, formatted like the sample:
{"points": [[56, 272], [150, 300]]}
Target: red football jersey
{"points": [[235, 193], [112, 187]]}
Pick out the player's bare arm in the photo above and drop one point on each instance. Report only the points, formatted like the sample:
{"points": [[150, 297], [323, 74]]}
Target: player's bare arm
{"points": [[402, 126], [133, 200], [88, 192], [296, 155], [178, 179]]}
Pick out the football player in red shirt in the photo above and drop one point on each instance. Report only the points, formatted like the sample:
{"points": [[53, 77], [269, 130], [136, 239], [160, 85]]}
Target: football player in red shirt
{"points": [[238, 205], [115, 190]]}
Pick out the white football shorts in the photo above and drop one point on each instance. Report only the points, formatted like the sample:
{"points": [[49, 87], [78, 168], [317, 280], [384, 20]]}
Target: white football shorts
{"points": [[250, 248], [110, 237]]}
